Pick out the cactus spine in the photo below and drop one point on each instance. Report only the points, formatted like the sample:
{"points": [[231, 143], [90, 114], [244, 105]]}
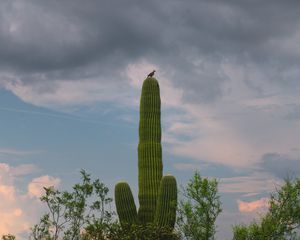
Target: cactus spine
{"points": [[157, 194]]}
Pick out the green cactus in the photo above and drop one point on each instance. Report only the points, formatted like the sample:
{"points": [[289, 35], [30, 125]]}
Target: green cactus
{"points": [[165, 215], [157, 194], [126, 208], [149, 150]]}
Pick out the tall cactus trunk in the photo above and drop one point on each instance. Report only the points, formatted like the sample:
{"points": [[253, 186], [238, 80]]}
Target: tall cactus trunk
{"points": [[149, 150]]}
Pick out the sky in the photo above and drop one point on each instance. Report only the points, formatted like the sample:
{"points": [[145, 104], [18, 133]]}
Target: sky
{"points": [[70, 79]]}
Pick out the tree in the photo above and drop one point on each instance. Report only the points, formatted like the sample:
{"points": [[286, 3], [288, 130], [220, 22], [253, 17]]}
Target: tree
{"points": [[8, 237], [72, 214], [199, 208], [148, 231], [84, 214], [282, 219]]}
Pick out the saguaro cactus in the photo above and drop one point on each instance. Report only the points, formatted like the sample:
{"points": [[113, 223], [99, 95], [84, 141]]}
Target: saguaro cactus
{"points": [[149, 150], [157, 194]]}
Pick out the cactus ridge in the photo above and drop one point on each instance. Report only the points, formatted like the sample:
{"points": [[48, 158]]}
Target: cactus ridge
{"points": [[157, 194]]}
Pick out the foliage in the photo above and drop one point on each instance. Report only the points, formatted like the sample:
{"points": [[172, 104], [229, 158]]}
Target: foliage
{"points": [[282, 219], [8, 237], [152, 232], [143, 232], [199, 208], [86, 207]]}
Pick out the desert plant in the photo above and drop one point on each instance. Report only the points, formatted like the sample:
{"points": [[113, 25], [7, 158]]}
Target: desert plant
{"points": [[199, 208], [282, 220], [157, 194], [85, 209]]}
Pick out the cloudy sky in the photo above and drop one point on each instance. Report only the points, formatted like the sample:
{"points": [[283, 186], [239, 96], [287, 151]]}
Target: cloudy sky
{"points": [[70, 78]]}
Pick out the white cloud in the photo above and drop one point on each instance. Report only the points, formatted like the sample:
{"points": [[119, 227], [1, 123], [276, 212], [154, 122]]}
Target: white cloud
{"points": [[197, 122], [246, 122], [235, 131], [252, 184], [36, 186], [137, 72], [259, 205], [65, 93], [8, 173], [24, 169], [19, 210], [187, 166], [13, 151], [8, 192]]}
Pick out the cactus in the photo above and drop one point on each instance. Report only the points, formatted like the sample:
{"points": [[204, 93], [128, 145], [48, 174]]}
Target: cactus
{"points": [[165, 215], [157, 194], [125, 203], [149, 150]]}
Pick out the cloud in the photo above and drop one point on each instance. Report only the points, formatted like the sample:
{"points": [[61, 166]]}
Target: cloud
{"points": [[186, 166], [254, 206], [36, 186], [24, 169], [12, 151], [53, 37], [281, 165], [235, 132], [9, 173], [48, 43], [228, 72], [258, 182], [192, 130], [229, 78], [68, 93], [19, 209], [228, 219]]}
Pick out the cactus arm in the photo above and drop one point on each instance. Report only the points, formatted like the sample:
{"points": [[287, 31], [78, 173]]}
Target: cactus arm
{"points": [[125, 205], [165, 215]]}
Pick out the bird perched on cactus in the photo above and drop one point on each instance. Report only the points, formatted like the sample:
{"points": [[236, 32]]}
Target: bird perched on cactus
{"points": [[157, 193], [151, 74]]}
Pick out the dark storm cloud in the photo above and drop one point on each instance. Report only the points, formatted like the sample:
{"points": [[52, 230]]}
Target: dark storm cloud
{"points": [[55, 35], [281, 166], [76, 39], [294, 113]]}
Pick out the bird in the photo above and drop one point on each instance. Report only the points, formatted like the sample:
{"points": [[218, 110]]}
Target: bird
{"points": [[151, 74]]}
